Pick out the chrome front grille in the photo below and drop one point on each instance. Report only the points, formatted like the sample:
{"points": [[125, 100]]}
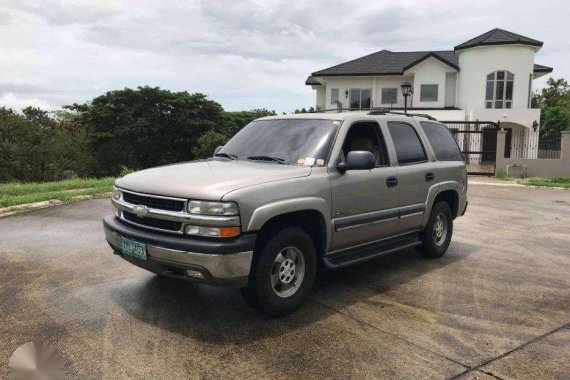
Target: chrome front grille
{"points": [[167, 225], [166, 214], [154, 202], [159, 212]]}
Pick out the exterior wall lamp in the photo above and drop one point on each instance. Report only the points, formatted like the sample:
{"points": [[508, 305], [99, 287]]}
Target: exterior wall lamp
{"points": [[535, 125], [346, 94], [407, 90]]}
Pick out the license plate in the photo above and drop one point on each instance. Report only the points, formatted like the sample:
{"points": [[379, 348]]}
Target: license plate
{"points": [[134, 249]]}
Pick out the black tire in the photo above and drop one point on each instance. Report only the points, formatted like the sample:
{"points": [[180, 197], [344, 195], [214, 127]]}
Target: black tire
{"points": [[260, 293], [432, 245]]}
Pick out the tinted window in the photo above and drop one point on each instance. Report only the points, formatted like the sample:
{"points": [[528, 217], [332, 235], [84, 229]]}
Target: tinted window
{"points": [[291, 141], [409, 149], [442, 141]]}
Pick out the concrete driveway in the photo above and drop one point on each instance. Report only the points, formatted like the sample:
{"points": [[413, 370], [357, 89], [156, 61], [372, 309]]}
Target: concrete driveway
{"points": [[498, 304]]}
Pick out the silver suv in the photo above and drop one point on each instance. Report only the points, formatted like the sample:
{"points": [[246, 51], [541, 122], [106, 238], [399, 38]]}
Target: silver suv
{"points": [[290, 194]]}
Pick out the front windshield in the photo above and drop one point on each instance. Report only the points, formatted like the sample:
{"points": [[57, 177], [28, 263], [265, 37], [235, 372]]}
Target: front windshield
{"points": [[286, 141]]}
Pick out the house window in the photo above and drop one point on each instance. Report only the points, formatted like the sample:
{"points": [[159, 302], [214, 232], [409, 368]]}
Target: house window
{"points": [[499, 90], [428, 92], [389, 95], [334, 96], [360, 98]]}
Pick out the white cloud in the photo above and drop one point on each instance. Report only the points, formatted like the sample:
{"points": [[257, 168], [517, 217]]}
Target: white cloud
{"points": [[17, 102], [244, 54]]}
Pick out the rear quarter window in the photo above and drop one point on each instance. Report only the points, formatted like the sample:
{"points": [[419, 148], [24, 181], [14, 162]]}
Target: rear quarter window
{"points": [[442, 141], [409, 149]]}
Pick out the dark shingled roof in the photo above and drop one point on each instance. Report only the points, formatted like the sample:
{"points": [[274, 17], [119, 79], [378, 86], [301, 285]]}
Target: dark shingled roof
{"points": [[312, 81], [498, 37], [386, 62], [542, 69]]}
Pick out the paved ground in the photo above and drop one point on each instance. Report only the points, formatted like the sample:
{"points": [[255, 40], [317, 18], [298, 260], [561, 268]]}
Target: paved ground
{"points": [[497, 305]]}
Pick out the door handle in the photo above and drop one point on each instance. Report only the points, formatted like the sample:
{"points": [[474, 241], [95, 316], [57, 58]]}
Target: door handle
{"points": [[429, 177], [391, 181]]}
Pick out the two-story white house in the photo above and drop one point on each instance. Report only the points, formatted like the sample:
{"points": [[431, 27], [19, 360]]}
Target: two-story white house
{"points": [[486, 78]]}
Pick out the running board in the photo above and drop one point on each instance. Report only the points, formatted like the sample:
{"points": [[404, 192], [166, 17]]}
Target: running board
{"points": [[371, 251]]}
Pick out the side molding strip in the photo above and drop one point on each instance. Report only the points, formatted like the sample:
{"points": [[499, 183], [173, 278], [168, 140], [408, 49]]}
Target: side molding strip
{"points": [[376, 217]]}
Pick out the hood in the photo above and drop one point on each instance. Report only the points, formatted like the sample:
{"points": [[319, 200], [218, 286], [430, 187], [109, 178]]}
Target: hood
{"points": [[208, 179]]}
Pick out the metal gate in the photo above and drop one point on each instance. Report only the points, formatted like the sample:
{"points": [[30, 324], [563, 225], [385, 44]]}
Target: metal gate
{"points": [[478, 143]]}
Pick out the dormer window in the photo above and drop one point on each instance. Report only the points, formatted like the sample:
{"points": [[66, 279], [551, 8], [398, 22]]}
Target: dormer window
{"points": [[499, 92]]}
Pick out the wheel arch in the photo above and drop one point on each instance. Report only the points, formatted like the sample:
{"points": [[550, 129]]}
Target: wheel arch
{"points": [[447, 191], [311, 214], [452, 199]]}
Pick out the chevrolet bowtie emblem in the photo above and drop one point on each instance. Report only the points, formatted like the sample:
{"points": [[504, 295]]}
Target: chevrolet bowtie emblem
{"points": [[140, 211]]}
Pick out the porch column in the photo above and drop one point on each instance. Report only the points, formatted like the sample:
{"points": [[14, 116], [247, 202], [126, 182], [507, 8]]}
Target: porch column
{"points": [[500, 163]]}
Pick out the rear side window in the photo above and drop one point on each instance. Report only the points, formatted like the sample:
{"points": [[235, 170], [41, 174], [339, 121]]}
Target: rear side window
{"points": [[409, 149], [442, 141]]}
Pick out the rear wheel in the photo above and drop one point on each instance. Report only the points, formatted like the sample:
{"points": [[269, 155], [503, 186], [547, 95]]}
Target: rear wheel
{"points": [[437, 234], [282, 273]]}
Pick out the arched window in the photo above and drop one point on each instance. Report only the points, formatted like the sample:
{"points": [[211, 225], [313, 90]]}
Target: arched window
{"points": [[499, 93]]}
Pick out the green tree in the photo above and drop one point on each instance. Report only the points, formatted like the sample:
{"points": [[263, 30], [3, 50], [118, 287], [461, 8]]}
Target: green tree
{"points": [[31, 150], [39, 117], [209, 141], [555, 92], [236, 120], [147, 126], [554, 101]]}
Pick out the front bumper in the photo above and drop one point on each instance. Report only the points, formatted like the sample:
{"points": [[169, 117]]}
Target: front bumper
{"points": [[219, 261]]}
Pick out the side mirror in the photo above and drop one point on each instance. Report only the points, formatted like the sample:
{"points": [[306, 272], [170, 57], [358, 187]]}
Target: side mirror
{"points": [[357, 160], [218, 148]]}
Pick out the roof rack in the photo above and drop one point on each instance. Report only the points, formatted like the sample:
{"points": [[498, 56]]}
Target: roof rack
{"points": [[384, 111], [338, 110]]}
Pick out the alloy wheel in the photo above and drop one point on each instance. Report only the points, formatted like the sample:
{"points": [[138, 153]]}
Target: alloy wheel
{"points": [[287, 272]]}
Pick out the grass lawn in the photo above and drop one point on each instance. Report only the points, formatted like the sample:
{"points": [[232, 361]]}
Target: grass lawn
{"points": [[562, 181], [12, 194]]}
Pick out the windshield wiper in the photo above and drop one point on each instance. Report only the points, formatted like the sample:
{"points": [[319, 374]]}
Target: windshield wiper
{"points": [[226, 155], [267, 158]]}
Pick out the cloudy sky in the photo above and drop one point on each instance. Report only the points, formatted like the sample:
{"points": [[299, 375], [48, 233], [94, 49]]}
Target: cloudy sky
{"points": [[243, 54]]}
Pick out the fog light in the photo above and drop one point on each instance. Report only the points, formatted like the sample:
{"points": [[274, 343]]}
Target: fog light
{"points": [[194, 273]]}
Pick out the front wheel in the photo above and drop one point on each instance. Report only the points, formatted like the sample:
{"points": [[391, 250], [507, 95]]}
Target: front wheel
{"points": [[437, 234], [282, 273]]}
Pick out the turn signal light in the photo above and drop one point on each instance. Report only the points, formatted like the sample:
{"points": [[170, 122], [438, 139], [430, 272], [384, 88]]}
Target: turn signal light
{"points": [[223, 232], [227, 232]]}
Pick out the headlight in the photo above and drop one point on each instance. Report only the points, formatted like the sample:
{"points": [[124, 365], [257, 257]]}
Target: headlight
{"points": [[212, 208], [116, 193], [223, 232]]}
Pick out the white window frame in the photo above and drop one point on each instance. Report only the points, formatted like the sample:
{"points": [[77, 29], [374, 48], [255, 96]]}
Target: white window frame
{"points": [[382, 95], [495, 81], [337, 96], [436, 92]]}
